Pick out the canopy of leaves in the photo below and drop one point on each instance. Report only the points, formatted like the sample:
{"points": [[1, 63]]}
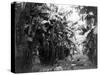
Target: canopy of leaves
{"points": [[52, 29]]}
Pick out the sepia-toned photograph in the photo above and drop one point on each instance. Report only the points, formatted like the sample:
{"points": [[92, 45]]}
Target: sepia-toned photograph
{"points": [[53, 37]]}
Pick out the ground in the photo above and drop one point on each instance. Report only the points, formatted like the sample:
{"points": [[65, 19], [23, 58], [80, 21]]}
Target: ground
{"points": [[78, 62]]}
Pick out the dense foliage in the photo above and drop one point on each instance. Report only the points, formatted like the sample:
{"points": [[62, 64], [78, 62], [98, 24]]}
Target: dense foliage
{"points": [[53, 33]]}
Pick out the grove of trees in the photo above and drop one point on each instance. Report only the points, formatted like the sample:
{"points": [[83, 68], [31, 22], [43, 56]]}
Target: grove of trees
{"points": [[52, 32]]}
